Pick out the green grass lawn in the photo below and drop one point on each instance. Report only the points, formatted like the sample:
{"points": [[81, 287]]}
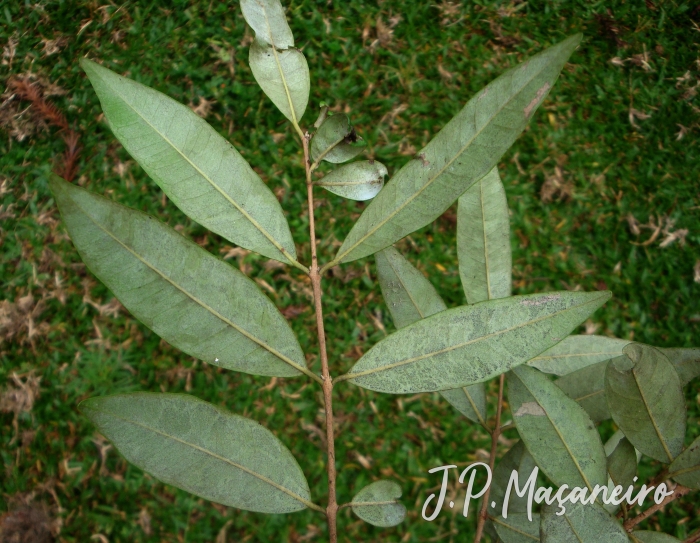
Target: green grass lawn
{"points": [[603, 190]]}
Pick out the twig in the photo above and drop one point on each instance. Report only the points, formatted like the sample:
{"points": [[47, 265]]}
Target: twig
{"points": [[694, 537], [314, 274], [678, 491], [483, 514]]}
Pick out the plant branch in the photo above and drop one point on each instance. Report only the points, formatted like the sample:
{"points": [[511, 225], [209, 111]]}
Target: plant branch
{"points": [[678, 491], [694, 537], [332, 509], [483, 514]]}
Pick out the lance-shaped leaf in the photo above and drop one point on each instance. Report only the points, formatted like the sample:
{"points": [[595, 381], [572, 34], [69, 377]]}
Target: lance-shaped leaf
{"points": [[483, 240], [685, 469], [580, 524], [199, 170], [516, 461], [336, 140], [267, 19], [648, 536], [517, 528], [686, 362], [283, 75], [378, 504], [187, 296], [577, 352], [471, 344], [203, 449], [646, 401], [556, 430], [463, 152], [410, 297], [587, 387], [357, 181], [622, 465]]}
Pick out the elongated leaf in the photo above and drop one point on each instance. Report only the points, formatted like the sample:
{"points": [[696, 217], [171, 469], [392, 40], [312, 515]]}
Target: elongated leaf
{"points": [[577, 352], [483, 240], [646, 401], [463, 152], [377, 504], [471, 344], [580, 524], [686, 362], [199, 170], [357, 181], [587, 387], [648, 536], [203, 449], [283, 75], [517, 528], [410, 297], [190, 298], [267, 19], [556, 430], [336, 140], [686, 468], [516, 460], [622, 466]]}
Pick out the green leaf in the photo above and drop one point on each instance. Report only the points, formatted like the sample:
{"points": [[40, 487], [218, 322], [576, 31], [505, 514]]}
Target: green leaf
{"points": [[199, 170], [471, 344], [519, 460], [580, 524], [336, 141], [517, 528], [556, 430], [357, 181], [648, 536], [203, 449], [577, 352], [686, 362], [646, 401], [410, 298], [190, 298], [377, 504], [463, 152], [685, 469], [267, 19], [587, 387], [622, 465], [483, 240], [284, 76]]}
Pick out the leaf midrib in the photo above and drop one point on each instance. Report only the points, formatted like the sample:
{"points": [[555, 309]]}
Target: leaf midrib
{"points": [[651, 417]]}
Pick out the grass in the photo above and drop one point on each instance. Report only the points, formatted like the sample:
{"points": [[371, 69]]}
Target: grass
{"points": [[602, 187]]}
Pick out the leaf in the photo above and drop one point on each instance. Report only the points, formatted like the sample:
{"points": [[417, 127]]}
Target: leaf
{"points": [[646, 401], [410, 297], [483, 240], [556, 430], [686, 362], [190, 298], [268, 21], [622, 465], [648, 536], [587, 387], [471, 344], [336, 141], [357, 181], [463, 152], [283, 75], [685, 469], [199, 170], [580, 524], [519, 460], [377, 504], [517, 528], [577, 352], [203, 449]]}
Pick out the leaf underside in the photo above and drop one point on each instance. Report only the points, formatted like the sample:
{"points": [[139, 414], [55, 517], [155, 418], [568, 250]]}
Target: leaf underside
{"points": [[580, 524], [377, 504]]}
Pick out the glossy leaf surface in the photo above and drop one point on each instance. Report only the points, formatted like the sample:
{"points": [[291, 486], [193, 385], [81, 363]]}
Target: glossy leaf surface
{"points": [[187, 296], [470, 344], [203, 449], [377, 504], [199, 170], [357, 181]]}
